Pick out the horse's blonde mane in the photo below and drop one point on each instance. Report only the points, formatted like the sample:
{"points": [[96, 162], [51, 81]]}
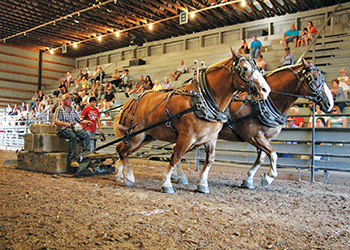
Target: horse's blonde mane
{"points": [[117, 132], [282, 68], [219, 64]]}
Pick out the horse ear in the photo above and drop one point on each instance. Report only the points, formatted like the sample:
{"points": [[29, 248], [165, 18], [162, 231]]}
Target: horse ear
{"points": [[306, 63], [234, 54]]}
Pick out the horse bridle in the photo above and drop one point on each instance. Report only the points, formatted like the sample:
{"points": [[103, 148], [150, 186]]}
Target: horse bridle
{"points": [[240, 70], [310, 80]]}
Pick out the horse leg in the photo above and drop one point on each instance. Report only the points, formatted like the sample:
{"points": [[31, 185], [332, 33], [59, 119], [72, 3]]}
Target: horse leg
{"points": [[182, 145], [118, 166], [203, 186], [174, 174], [249, 181], [128, 174], [181, 177], [269, 178]]}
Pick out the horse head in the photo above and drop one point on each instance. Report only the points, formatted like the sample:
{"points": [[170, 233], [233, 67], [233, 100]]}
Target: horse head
{"points": [[317, 86], [249, 77]]}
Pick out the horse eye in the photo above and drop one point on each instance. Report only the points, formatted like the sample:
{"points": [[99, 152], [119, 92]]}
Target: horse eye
{"points": [[315, 78], [245, 68]]}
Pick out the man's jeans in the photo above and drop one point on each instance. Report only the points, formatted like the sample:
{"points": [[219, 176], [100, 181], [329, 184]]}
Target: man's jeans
{"points": [[254, 53], [72, 136]]}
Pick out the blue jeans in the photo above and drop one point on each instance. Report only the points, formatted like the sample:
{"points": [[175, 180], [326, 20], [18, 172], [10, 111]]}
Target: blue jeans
{"points": [[254, 53], [92, 142], [72, 136]]}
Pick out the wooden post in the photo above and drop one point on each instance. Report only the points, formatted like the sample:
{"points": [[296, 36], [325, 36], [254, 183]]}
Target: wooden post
{"points": [[40, 68]]}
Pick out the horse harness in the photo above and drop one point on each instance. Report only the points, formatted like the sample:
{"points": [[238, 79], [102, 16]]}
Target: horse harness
{"points": [[266, 110], [202, 103]]}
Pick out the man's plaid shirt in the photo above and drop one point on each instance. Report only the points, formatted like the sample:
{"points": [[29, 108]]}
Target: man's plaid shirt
{"points": [[63, 115]]}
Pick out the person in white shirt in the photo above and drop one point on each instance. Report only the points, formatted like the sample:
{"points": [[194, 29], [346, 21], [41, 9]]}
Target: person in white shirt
{"points": [[344, 82], [180, 70]]}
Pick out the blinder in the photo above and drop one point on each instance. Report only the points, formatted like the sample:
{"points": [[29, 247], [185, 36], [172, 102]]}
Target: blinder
{"points": [[311, 81], [241, 70]]}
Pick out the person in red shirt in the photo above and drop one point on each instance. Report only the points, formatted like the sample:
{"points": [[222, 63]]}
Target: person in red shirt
{"points": [[312, 32], [299, 121], [91, 113]]}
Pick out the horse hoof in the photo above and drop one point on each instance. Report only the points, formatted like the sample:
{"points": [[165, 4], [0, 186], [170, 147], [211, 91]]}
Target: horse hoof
{"points": [[119, 179], [266, 180], [247, 184], [203, 189], [168, 190], [183, 181], [128, 183], [174, 177]]}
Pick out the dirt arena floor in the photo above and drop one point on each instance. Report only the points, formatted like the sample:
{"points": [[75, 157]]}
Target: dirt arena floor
{"points": [[41, 211]]}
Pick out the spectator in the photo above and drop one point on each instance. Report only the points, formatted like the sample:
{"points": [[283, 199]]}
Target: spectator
{"points": [[318, 111], [65, 118], [291, 36], [338, 94], [84, 99], [139, 83], [156, 86], [95, 73], [255, 48], [320, 122], [86, 74], [126, 82], [35, 99], [166, 83], [109, 99], [69, 79], [244, 50], [290, 123], [335, 120], [40, 95], [77, 100], [107, 120], [288, 58], [116, 78], [299, 121], [15, 110], [101, 75], [302, 38], [91, 113], [180, 70], [97, 88], [344, 82], [312, 32], [85, 84], [148, 85], [80, 75], [8, 109], [261, 64]]}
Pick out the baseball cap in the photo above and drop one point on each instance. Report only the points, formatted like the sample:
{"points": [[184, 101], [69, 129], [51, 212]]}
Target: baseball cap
{"points": [[65, 96]]}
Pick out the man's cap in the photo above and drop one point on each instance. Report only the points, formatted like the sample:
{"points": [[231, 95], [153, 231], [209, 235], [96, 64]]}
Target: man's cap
{"points": [[287, 48], [65, 96], [291, 119]]}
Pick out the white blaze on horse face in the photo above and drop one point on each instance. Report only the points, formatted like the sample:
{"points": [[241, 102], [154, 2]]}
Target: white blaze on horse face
{"points": [[329, 96], [264, 87]]}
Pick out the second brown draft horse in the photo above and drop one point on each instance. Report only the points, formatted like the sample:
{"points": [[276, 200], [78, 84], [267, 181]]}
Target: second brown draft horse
{"points": [[259, 125], [189, 116]]}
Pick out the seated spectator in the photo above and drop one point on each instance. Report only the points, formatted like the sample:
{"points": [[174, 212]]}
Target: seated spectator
{"points": [[288, 58], [80, 75], [86, 74], [290, 123], [244, 50], [25, 106], [148, 85], [116, 78], [299, 121], [8, 109], [312, 32], [139, 83], [255, 48], [93, 76], [85, 84], [15, 110], [302, 38], [180, 70], [166, 83], [34, 99], [320, 122], [291, 36], [126, 81], [84, 99], [101, 75], [107, 119], [344, 82], [69, 79], [336, 120], [318, 111], [156, 86], [338, 94], [97, 88], [40, 95], [261, 64], [109, 99]]}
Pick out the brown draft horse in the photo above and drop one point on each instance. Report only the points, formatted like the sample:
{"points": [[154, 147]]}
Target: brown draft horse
{"points": [[287, 84], [145, 114]]}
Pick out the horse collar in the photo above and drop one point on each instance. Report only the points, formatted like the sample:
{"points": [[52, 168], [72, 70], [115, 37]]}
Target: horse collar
{"points": [[206, 106]]}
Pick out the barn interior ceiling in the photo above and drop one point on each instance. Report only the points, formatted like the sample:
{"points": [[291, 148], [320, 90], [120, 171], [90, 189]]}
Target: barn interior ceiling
{"points": [[95, 26]]}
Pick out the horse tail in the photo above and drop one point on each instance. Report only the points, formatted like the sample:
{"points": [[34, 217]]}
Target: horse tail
{"points": [[117, 132]]}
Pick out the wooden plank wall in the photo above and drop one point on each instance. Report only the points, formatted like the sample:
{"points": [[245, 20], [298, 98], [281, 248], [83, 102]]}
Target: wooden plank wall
{"points": [[19, 73]]}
